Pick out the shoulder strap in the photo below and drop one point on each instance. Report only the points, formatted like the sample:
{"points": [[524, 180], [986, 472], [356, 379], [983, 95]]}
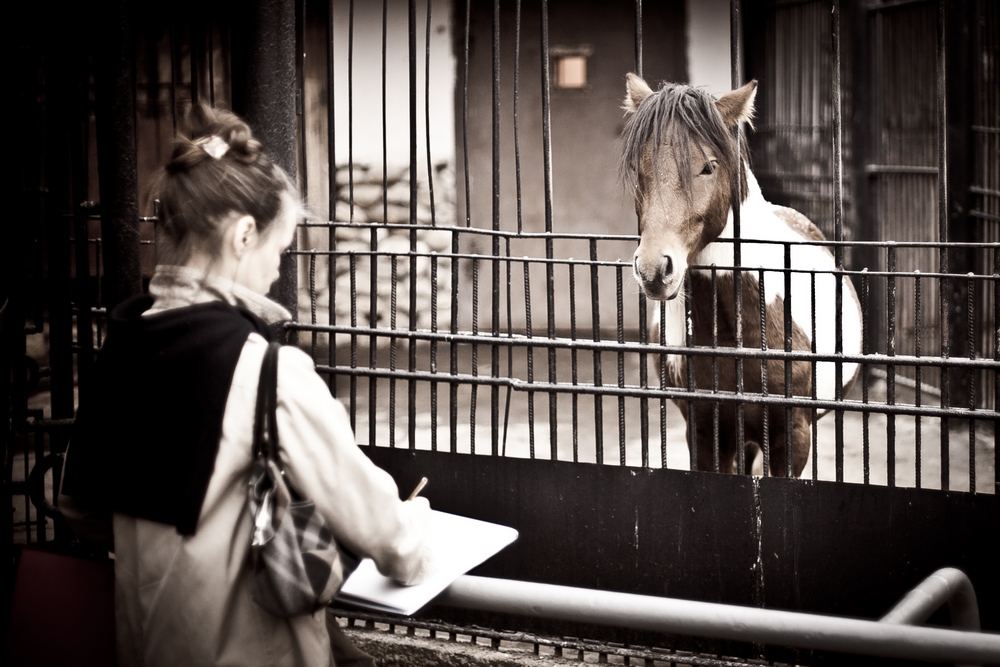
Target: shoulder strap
{"points": [[265, 424]]}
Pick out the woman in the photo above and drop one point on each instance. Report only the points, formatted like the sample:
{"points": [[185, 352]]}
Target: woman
{"points": [[162, 450]]}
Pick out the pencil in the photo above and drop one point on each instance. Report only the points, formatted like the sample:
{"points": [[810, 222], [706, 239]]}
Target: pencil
{"points": [[420, 486]]}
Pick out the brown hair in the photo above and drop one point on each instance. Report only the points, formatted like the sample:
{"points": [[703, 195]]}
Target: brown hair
{"points": [[218, 168]]}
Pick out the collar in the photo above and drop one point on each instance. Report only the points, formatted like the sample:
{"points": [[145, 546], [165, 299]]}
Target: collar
{"points": [[175, 286]]}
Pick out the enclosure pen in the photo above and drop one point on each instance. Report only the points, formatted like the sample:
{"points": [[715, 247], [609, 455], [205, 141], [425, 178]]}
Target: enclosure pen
{"points": [[469, 284]]}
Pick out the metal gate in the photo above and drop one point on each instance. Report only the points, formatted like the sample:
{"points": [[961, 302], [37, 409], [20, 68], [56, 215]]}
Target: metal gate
{"points": [[464, 279]]}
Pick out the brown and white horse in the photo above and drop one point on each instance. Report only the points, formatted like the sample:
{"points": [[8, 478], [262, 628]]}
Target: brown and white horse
{"points": [[681, 161]]}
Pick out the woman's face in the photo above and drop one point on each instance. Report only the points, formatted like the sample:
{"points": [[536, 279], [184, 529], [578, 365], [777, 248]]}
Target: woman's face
{"points": [[257, 268]]}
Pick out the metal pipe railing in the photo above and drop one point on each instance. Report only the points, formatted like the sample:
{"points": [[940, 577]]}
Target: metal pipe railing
{"points": [[721, 621], [947, 585]]}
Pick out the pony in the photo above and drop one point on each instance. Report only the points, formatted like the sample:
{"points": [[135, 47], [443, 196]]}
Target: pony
{"points": [[682, 162]]}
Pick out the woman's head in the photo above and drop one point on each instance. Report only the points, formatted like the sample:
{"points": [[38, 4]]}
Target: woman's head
{"points": [[224, 206]]}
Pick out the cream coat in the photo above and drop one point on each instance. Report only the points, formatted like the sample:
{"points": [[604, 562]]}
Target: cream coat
{"points": [[185, 600]]}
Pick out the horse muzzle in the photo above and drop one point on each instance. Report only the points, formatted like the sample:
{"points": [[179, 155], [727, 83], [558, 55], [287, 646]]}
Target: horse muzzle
{"points": [[660, 280]]}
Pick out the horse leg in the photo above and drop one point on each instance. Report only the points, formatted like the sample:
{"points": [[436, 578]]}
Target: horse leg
{"points": [[798, 442]]}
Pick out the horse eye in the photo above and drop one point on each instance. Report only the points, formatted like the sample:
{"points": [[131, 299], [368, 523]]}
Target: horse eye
{"points": [[708, 169]]}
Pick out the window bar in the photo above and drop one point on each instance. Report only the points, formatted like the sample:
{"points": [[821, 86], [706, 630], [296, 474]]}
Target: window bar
{"points": [[643, 303], [865, 415], [312, 303], [691, 404], [765, 412], [433, 223], [662, 365], [736, 75], [838, 221], [596, 332], [453, 362], [918, 328], [519, 216], [434, 348], [619, 293], [996, 357], [353, 265], [838, 447], [716, 408], [510, 348], [530, 359], [473, 386], [411, 405], [890, 371], [549, 250], [331, 142], [393, 342], [373, 265], [575, 397], [495, 264], [787, 317], [942, 140], [971, 294]]}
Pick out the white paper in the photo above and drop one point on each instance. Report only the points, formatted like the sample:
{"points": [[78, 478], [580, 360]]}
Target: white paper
{"points": [[458, 544]]}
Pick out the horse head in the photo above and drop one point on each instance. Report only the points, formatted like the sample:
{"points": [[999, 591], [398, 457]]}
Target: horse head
{"points": [[681, 160]]}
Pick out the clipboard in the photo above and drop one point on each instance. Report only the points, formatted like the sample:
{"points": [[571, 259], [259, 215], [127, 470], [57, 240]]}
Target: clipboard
{"points": [[459, 544]]}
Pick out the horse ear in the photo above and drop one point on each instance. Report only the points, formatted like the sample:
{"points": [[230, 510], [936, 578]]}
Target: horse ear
{"points": [[636, 90], [737, 106]]}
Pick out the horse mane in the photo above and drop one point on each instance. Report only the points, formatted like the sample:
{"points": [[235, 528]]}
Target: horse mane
{"points": [[683, 116]]}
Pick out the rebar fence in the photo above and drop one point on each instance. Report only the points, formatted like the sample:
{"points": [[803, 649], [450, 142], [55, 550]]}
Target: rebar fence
{"points": [[465, 279]]}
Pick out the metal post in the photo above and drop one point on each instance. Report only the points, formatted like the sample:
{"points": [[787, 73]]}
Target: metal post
{"points": [[264, 94], [114, 84]]}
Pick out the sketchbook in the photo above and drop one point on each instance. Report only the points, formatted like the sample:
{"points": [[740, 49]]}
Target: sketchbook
{"points": [[459, 544]]}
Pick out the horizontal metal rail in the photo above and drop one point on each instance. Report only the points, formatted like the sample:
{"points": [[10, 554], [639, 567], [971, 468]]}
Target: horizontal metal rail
{"points": [[721, 621]]}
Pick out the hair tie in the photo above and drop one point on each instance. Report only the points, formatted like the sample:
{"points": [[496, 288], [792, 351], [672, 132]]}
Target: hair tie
{"points": [[214, 145]]}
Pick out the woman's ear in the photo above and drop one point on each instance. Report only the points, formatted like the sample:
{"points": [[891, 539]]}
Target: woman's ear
{"points": [[244, 234]]}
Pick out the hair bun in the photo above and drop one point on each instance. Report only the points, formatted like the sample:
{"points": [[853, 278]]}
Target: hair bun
{"points": [[208, 129]]}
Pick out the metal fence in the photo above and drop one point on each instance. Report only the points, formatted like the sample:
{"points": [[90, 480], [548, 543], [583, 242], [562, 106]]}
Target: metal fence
{"points": [[464, 300]]}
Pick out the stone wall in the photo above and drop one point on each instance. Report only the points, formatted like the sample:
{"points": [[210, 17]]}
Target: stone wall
{"points": [[365, 195]]}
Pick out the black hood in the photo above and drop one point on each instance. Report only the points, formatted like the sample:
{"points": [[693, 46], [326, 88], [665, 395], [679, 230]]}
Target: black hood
{"points": [[147, 431]]}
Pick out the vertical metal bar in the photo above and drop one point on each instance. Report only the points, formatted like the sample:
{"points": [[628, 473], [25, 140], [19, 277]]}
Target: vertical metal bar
{"points": [[393, 343], [530, 352], [735, 43], [764, 389], [971, 306], [662, 364], [114, 96], [716, 408], [945, 296], [353, 389], [596, 332], [890, 370], [331, 152], [411, 405], [692, 411], [453, 361], [620, 328], [474, 388], [787, 364], [638, 38], [643, 304], [433, 223], [918, 328], [373, 265], [575, 398], [495, 264], [865, 346], [549, 249], [838, 221]]}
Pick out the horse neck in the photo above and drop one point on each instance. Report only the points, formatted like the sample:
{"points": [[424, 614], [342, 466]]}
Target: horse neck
{"points": [[753, 204]]}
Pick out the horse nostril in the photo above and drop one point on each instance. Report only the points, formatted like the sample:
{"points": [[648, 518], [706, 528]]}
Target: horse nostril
{"points": [[667, 267]]}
